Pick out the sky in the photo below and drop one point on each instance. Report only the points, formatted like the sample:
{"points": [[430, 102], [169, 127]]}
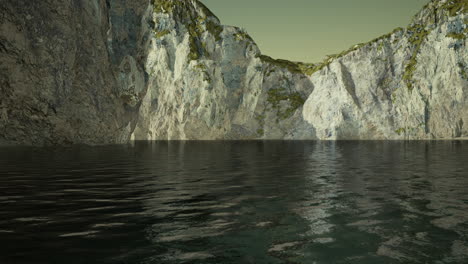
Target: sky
{"points": [[308, 30]]}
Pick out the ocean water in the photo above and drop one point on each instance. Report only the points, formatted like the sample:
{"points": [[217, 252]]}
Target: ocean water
{"points": [[236, 202]]}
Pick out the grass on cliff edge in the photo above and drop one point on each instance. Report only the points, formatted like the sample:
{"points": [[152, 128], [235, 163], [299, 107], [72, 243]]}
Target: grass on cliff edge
{"points": [[202, 24], [311, 68], [295, 100]]}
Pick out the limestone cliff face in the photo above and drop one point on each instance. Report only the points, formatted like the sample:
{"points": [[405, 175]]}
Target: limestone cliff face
{"points": [[208, 81], [107, 71], [410, 84]]}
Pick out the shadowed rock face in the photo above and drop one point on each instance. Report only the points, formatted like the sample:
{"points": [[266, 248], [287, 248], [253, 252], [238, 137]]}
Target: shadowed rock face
{"points": [[68, 69], [99, 72]]}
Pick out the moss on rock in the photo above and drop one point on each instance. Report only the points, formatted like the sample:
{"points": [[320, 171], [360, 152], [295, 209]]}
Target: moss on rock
{"points": [[310, 68], [458, 36], [162, 33], [203, 69], [241, 36], [261, 123], [463, 70], [215, 29], [163, 6], [417, 35], [400, 131], [454, 7], [277, 95], [196, 23]]}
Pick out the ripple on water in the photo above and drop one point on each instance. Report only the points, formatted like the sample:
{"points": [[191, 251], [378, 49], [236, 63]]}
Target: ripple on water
{"points": [[283, 246], [79, 234], [236, 202]]}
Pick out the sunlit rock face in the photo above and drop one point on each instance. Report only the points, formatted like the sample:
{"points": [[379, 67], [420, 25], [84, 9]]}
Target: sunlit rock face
{"points": [[411, 84], [110, 71], [208, 81]]}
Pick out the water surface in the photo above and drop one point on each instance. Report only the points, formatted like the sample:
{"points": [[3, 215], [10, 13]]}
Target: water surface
{"points": [[236, 202]]}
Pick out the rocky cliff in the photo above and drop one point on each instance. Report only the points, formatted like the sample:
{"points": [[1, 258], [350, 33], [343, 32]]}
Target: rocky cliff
{"points": [[109, 71], [64, 70]]}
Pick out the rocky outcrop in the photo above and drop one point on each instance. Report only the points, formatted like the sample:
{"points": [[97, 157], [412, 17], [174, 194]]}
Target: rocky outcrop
{"points": [[410, 84], [208, 81], [108, 71], [69, 70]]}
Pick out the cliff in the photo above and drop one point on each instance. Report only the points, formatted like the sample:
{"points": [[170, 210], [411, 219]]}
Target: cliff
{"points": [[108, 71], [63, 70]]}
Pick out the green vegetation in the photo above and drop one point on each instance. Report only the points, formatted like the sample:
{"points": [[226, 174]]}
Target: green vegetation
{"points": [[294, 67], [417, 36], [291, 66], [240, 36], [207, 78], [260, 132], [196, 29], [311, 68], [409, 72], [409, 131], [275, 96], [209, 22], [459, 36], [463, 72], [382, 40], [162, 33], [381, 46], [197, 46], [400, 131], [195, 24], [270, 72], [394, 97], [206, 23], [126, 98], [194, 53], [215, 29], [297, 67], [202, 68], [455, 6], [261, 122], [163, 6]]}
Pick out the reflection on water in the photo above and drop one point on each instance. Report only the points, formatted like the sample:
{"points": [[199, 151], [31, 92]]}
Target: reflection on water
{"points": [[236, 202]]}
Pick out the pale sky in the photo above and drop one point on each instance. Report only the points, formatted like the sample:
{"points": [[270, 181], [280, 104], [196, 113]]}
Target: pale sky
{"points": [[307, 30]]}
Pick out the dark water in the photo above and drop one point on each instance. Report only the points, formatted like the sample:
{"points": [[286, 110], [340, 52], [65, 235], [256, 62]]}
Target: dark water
{"points": [[236, 202]]}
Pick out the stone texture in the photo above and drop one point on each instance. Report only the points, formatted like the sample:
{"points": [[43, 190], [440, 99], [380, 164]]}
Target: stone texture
{"points": [[363, 95], [99, 72], [60, 79]]}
